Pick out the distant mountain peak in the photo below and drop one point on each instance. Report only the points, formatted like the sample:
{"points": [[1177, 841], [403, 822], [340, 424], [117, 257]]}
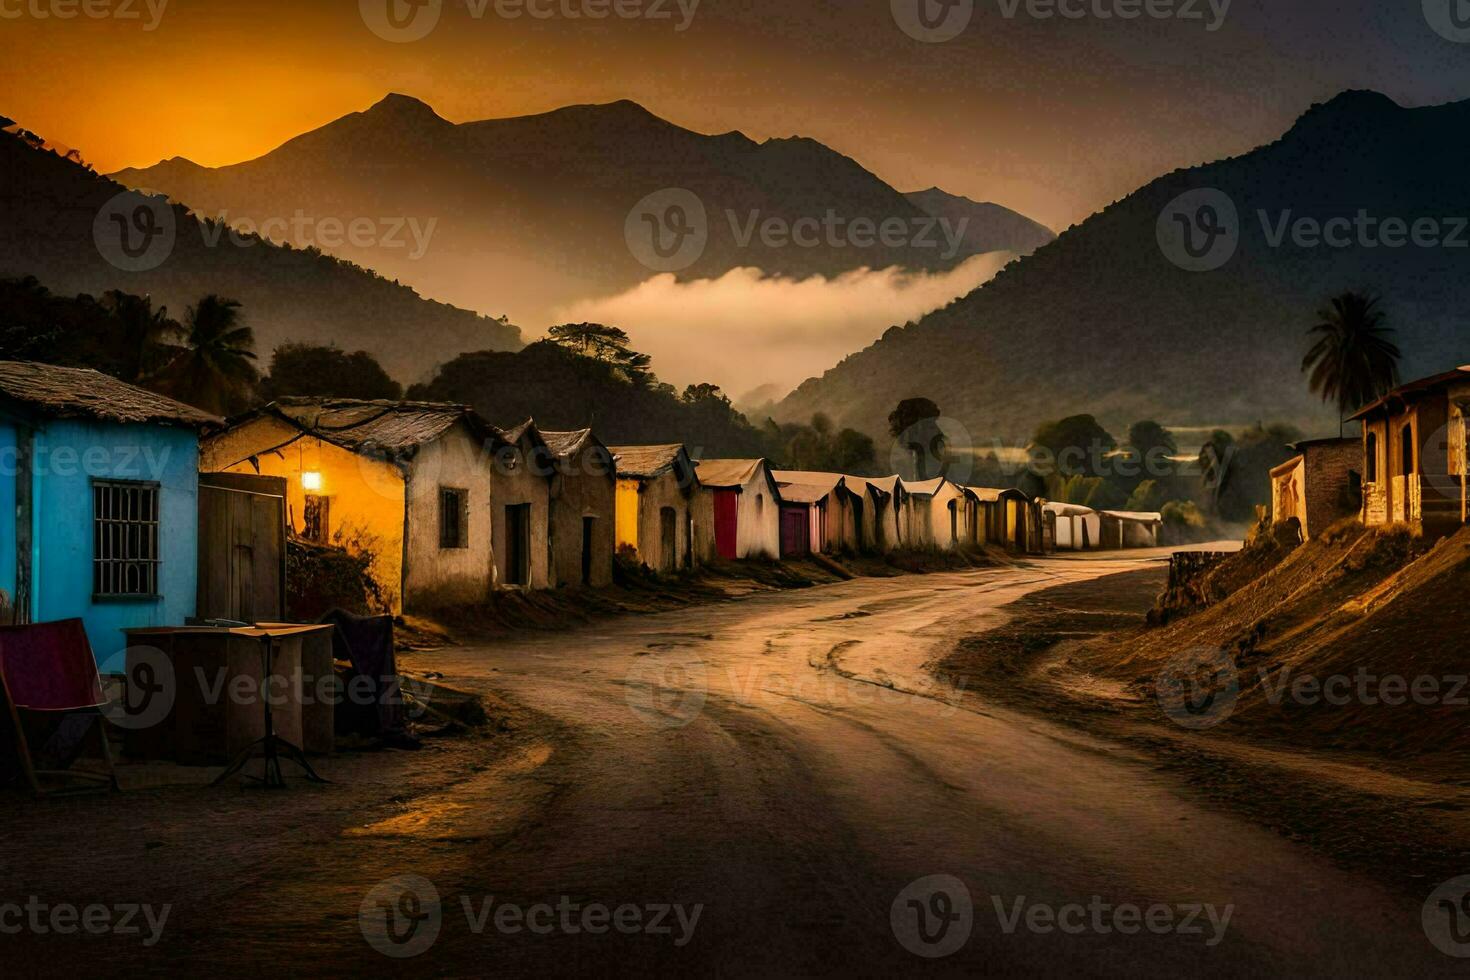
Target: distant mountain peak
{"points": [[1350, 108], [398, 106]]}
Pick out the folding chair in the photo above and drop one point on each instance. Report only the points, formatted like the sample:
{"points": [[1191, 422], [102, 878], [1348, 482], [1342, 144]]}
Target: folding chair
{"points": [[48, 670]]}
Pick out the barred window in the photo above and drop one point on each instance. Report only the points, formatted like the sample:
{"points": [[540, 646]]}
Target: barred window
{"points": [[454, 518], [125, 554]]}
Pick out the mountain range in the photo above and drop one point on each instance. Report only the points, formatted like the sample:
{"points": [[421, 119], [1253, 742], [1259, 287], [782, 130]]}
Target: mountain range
{"points": [[78, 232], [1113, 319], [532, 214]]}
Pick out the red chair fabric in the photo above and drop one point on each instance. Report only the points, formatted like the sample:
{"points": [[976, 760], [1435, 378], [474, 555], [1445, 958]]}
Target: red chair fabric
{"points": [[50, 667]]}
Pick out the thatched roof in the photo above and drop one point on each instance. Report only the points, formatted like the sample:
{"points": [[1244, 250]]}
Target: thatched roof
{"points": [[805, 493], [564, 444], [81, 393], [647, 462], [809, 478], [395, 428]]}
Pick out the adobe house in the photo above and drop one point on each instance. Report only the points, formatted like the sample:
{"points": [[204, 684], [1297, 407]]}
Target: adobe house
{"points": [[879, 528], [1126, 529], [746, 505], [520, 508], [830, 509], [1413, 454], [583, 496], [657, 506], [101, 497], [1319, 486], [1074, 527], [941, 514], [1011, 519], [407, 482]]}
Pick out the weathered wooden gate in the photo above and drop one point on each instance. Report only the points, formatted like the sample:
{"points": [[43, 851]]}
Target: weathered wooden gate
{"points": [[242, 547]]}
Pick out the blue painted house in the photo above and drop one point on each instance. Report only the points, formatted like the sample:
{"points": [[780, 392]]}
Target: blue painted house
{"points": [[102, 478]]}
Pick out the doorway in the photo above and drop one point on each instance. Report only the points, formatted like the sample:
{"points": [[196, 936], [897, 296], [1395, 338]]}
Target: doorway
{"points": [[589, 525], [669, 538], [518, 544]]}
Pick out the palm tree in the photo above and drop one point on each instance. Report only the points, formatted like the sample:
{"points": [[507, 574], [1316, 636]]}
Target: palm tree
{"points": [[214, 371], [1353, 361], [141, 331]]}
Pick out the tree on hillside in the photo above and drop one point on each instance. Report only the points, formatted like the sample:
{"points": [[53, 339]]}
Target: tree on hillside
{"points": [[141, 331], [215, 370], [1152, 447], [316, 371], [1071, 446], [603, 343], [915, 424], [1353, 361]]}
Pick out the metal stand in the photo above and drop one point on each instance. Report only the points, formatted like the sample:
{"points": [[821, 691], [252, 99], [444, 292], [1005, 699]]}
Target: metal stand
{"points": [[270, 746]]}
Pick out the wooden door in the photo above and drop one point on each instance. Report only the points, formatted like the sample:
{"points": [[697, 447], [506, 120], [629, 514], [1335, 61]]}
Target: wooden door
{"points": [[669, 539], [727, 523], [795, 532], [242, 548]]}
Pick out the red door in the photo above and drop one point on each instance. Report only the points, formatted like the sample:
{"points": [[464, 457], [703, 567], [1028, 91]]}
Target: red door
{"points": [[727, 522], [795, 532]]}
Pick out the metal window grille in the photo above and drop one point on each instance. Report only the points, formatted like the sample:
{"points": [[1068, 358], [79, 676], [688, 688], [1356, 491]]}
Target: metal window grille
{"points": [[125, 539], [453, 518]]}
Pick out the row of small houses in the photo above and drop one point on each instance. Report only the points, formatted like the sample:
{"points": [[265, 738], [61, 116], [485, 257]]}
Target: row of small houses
{"points": [[133, 510]]}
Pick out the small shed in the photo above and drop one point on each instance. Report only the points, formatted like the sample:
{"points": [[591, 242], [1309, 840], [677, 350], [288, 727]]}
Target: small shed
{"points": [[882, 500], [1126, 529], [941, 513], [1076, 528], [657, 505], [745, 502], [101, 495], [520, 469], [583, 497], [830, 507]]}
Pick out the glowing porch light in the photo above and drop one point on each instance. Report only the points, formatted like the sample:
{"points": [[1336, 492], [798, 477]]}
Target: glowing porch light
{"points": [[311, 480]]}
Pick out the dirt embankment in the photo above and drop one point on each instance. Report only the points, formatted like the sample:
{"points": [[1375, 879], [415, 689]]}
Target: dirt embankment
{"points": [[1325, 694]]}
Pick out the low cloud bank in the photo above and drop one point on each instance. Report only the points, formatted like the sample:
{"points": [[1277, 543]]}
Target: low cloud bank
{"points": [[746, 329]]}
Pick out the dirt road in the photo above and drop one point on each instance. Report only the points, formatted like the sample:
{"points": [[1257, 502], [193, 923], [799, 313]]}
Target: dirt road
{"points": [[768, 788]]}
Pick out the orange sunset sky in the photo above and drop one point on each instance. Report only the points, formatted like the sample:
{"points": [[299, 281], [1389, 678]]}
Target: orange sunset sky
{"points": [[1054, 118]]}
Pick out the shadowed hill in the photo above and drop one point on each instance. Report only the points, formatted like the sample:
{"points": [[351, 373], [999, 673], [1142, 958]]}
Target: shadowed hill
{"points": [[1101, 321], [49, 211]]}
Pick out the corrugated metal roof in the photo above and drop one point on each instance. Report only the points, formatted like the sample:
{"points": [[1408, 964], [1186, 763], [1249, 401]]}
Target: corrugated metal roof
{"points": [[63, 392]]}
